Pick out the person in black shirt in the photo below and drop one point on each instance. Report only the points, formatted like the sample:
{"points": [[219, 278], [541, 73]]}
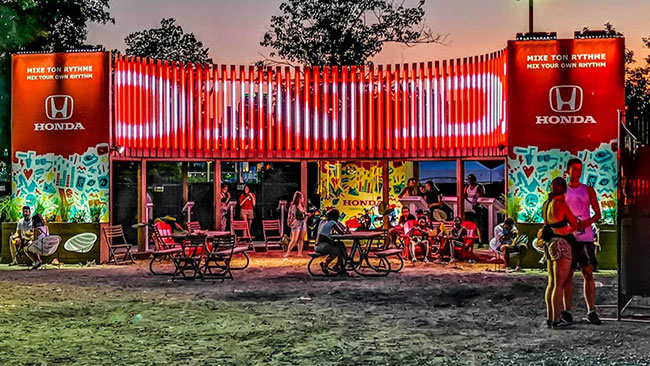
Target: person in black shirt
{"points": [[432, 196], [456, 239]]}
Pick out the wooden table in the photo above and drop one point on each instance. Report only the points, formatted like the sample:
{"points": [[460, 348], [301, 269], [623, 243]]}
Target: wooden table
{"points": [[359, 253]]}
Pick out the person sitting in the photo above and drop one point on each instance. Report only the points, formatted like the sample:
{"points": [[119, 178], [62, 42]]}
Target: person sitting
{"points": [[23, 236], [420, 236], [405, 217], [456, 238], [326, 245], [38, 246], [507, 240]]}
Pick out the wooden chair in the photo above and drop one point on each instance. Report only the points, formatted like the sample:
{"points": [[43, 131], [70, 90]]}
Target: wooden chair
{"points": [[164, 249], [114, 249], [188, 261], [271, 227], [217, 261], [242, 233], [193, 226]]}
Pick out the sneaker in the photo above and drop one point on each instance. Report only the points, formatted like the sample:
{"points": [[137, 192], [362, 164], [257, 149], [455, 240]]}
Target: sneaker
{"points": [[14, 263], [426, 260], [36, 265], [593, 318], [413, 260], [567, 317], [561, 324]]}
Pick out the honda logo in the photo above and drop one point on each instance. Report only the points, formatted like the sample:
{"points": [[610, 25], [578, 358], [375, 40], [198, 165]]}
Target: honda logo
{"points": [[565, 98], [59, 107]]}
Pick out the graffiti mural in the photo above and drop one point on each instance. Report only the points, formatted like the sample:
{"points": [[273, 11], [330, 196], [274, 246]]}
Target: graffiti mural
{"points": [[531, 171], [353, 186], [79, 182]]}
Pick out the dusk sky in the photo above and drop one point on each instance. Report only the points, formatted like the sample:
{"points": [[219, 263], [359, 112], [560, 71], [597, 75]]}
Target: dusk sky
{"points": [[233, 29]]}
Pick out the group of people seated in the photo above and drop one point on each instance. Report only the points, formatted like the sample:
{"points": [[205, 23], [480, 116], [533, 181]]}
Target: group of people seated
{"points": [[428, 232], [29, 239]]}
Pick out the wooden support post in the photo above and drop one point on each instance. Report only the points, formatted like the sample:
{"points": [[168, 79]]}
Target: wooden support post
{"points": [[385, 182], [303, 179], [460, 185], [186, 186], [217, 194], [143, 234]]}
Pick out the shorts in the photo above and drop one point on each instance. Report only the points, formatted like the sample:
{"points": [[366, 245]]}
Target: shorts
{"points": [[558, 248], [297, 225], [247, 214], [584, 254]]}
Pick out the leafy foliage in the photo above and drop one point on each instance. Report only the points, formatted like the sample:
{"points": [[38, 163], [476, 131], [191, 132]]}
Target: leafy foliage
{"points": [[637, 83], [10, 209], [344, 32], [168, 42]]}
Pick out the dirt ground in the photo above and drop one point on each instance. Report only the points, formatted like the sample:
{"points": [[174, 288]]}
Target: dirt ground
{"points": [[274, 313]]}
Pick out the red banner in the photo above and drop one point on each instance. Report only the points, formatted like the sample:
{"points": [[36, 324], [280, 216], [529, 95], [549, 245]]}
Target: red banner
{"points": [[60, 102], [565, 94]]}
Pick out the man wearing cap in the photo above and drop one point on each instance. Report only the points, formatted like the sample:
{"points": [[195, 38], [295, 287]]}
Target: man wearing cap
{"points": [[508, 241], [23, 236]]}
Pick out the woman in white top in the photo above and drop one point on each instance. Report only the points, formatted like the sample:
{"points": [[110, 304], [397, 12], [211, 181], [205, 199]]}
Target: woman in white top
{"points": [[296, 220], [39, 246]]}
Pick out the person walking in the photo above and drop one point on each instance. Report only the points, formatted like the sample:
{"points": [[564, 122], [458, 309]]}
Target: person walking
{"points": [[561, 222], [247, 203], [582, 200], [296, 221]]}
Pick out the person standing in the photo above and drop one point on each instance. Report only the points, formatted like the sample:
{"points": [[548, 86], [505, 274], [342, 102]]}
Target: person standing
{"points": [[223, 206], [472, 192], [296, 221], [582, 200], [558, 216], [247, 203], [23, 236]]}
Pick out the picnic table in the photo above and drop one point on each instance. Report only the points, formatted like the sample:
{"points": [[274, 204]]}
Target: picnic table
{"points": [[362, 256]]}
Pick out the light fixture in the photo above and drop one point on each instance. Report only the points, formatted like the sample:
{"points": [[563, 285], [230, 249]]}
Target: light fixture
{"points": [[593, 34], [118, 148], [536, 36]]}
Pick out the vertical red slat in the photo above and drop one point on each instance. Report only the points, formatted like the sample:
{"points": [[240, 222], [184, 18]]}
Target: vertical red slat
{"points": [[241, 109], [406, 122], [260, 109], [207, 110], [324, 123], [234, 109], [315, 131], [297, 105], [370, 108], [345, 119], [269, 110], [252, 97], [380, 109], [288, 121], [390, 135], [306, 106], [336, 133], [361, 107], [429, 112]]}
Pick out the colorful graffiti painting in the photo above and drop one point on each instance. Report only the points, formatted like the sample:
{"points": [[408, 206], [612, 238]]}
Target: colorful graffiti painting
{"points": [[351, 187], [81, 181], [531, 171]]}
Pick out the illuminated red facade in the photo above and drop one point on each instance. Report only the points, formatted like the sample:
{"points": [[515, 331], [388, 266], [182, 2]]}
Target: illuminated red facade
{"points": [[454, 108]]}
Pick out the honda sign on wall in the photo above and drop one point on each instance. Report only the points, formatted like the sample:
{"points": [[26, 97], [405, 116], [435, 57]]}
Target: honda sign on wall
{"points": [[60, 129], [562, 102]]}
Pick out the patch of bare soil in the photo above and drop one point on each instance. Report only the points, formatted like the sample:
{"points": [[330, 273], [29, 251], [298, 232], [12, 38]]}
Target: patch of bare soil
{"points": [[274, 313]]}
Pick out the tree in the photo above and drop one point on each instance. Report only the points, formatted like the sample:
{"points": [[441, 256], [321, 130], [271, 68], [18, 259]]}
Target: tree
{"points": [[168, 42], [344, 32], [637, 84], [40, 25]]}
